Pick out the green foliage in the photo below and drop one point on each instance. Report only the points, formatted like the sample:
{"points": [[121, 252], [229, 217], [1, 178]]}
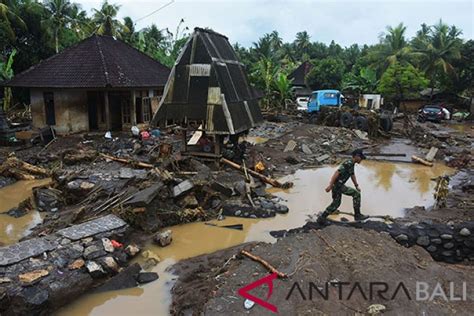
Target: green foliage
{"points": [[6, 73], [326, 73], [283, 87], [438, 47], [399, 81], [363, 82]]}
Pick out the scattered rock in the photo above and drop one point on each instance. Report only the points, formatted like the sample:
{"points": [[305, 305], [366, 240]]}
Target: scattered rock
{"points": [[110, 264], [163, 239], [30, 277], [224, 189], [107, 244], [94, 251], [94, 269], [132, 250], [147, 277], [465, 232], [77, 264]]}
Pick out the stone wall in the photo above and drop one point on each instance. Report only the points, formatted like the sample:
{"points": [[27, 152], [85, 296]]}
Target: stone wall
{"points": [[448, 243]]}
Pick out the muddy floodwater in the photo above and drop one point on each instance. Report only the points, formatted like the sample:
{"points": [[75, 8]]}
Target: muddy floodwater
{"points": [[12, 229], [387, 188]]}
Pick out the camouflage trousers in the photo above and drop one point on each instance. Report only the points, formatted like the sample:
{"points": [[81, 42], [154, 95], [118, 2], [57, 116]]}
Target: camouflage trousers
{"points": [[337, 192]]}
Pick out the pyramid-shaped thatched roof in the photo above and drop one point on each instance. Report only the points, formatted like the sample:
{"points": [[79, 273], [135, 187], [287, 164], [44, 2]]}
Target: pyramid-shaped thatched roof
{"points": [[208, 84]]}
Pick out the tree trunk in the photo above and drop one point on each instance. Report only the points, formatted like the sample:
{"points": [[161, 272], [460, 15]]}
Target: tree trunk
{"points": [[56, 39]]}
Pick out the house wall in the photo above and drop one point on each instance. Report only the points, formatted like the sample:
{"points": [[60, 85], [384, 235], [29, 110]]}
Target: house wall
{"points": [[376, 100], [70, 107]]}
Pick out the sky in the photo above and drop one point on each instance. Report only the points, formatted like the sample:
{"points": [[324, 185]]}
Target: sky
{"points": [[345, 22]]}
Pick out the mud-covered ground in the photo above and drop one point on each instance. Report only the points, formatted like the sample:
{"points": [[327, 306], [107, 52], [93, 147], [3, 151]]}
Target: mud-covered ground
{"points": [[208, 284]]}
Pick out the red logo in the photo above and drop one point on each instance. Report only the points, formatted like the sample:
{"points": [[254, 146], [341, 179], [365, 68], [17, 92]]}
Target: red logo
{"points": [[265, 280]]}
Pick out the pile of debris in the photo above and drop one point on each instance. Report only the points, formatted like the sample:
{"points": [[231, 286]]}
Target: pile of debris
{"points": [[40, 274]]}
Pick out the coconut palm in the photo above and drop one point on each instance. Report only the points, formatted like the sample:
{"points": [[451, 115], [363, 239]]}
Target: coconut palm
{"points": [[394, 48], [106, 20], [59, 17], [10, 18], [438, 48]]}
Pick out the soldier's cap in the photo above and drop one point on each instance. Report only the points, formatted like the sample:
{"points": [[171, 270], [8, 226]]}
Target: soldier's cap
{"points": [[358, 152]]}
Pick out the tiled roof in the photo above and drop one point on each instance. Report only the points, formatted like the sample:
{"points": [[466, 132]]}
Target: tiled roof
{"points": [[96, 62]]}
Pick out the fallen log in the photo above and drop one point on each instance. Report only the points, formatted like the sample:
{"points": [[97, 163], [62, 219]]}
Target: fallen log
{"points": [[264, 263], [20, 170], [422, 161], [130, 162], [262, 177]]}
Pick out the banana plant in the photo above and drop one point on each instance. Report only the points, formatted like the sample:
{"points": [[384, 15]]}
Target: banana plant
{"points": [[6, 73]]}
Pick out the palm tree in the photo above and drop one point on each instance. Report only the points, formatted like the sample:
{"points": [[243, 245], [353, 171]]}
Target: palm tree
{"points": [[106, 21], [9, 15], [79, 21], [59, 11], [263, 48], [302, 42], [438, 48], [393, 48]]}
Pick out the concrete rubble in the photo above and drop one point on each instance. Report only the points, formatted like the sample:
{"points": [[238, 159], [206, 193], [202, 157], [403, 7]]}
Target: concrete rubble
{"points": [[108, 197]]}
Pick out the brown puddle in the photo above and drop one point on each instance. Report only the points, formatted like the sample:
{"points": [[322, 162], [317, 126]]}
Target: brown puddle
{"points": [[12, 229], [387, 188]]}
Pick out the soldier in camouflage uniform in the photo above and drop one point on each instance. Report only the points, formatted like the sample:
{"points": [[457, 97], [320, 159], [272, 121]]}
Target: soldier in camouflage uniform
{"points": [[338, 187]]}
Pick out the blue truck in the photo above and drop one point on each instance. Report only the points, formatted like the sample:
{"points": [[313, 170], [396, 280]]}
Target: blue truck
{"points": [[326, 106], [320, 98]]}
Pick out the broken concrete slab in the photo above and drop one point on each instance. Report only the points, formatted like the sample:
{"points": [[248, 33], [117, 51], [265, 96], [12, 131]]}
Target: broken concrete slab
{"points": [[431, 154], [31, 277], [93, 227], [126, 173], [144, 197], [305, 148], [222, 188], [124, 280], [183, 187], [25, 249], [322, 158], [361, 134], [290, 146]]}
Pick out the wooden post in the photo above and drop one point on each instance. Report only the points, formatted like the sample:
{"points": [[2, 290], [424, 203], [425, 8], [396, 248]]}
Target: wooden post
{"points": [[107, 111], [133, 109]]}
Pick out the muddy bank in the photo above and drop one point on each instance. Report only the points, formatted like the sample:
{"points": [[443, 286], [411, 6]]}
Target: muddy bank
{"points": [[337, 254]]}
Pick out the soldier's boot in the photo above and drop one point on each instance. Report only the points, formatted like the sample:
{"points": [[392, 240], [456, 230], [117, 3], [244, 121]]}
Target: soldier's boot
{"points": [[358, 216], [322, 218]]}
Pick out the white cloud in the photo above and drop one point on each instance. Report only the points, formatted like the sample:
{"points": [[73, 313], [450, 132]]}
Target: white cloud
{"points": [[346, 22]]}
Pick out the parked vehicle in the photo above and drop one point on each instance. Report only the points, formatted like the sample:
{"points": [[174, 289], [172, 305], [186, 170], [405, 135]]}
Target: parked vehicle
{"points": [[319, 98], [434, 113], [302, 103]]}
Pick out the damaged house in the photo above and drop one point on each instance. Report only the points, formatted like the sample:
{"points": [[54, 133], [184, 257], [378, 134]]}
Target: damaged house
{"points": [[208, 86], [101, 83]]}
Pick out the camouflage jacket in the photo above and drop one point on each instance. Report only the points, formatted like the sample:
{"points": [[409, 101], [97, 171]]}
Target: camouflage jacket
{"points": [[346, 170]]}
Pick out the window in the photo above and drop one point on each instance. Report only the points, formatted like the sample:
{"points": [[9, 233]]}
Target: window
{"points": [[125, 105], [330, 95], [48, 98], [146, 104]]}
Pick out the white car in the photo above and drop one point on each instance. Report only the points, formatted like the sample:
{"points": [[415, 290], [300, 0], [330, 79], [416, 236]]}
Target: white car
{"points": [[302, 103]]}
